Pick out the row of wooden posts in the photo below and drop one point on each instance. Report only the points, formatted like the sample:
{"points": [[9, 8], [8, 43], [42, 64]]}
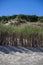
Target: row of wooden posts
{"points": [[32, 40]]}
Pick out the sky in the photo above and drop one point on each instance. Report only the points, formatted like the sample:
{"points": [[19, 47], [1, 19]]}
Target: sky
{"points": [[28, 7]]}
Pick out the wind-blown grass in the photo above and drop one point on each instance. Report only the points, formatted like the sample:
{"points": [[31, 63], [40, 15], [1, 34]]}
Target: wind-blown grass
{"points": [[23, 28]]}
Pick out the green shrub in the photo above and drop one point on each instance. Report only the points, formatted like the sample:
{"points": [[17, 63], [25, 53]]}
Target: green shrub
{"points": [[21, 16], [41, 20], [33, 18]]}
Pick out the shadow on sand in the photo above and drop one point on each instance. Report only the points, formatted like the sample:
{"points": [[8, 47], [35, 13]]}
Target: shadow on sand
{"points": [[13, 49]]}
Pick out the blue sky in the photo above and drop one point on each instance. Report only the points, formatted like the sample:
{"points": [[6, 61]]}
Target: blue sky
{"points": [[29, 7]]}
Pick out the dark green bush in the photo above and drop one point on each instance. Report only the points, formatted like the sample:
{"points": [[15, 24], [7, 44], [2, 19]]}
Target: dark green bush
{"points": [[41, 20], [33, 18], [21, 16]]}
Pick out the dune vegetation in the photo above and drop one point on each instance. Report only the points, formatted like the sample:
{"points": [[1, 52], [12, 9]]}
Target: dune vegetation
{"points": [[29, 18], [24, 29]]}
